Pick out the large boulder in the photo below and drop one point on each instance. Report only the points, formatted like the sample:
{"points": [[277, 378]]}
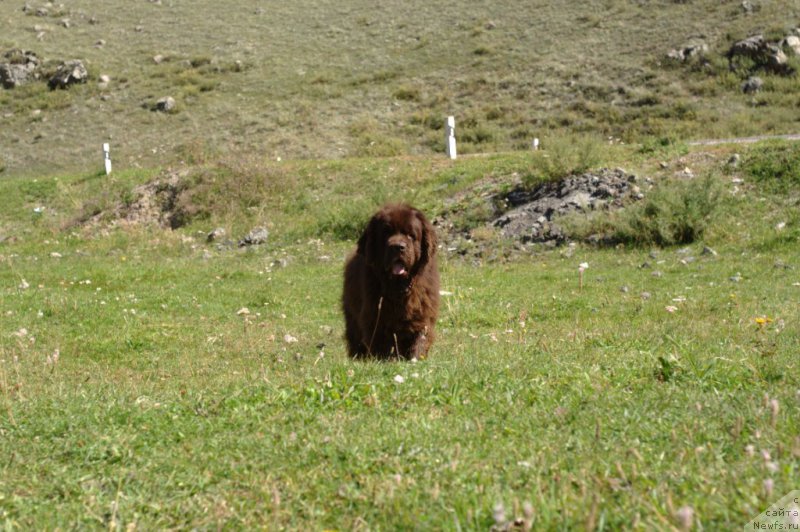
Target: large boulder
{"points": [[67, 74], [764, 55], [792, 43], [18, 67]]}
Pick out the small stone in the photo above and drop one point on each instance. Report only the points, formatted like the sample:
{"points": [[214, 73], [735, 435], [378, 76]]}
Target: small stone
{"points": [[657, 274], [158, 59], [624, 289], [734, 160], [216, 234], [735, 278], [645, 295], [708, 251], [256, 236], [752, 85], [165, 105]]}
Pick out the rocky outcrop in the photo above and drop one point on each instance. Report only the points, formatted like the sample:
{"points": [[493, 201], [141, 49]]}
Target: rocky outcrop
{"points": [[533, 213], [68, 74], [18, 67], [757, 53]]}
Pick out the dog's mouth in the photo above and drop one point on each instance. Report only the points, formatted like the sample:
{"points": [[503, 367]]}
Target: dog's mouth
{"points": [[399, 269]]}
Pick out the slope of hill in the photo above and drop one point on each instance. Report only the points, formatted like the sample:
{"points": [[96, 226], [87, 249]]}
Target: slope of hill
{"points": [[331, 79]]}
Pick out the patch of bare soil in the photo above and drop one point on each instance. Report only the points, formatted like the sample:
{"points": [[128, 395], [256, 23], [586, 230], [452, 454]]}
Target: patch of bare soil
{"points": [[158, 203]]}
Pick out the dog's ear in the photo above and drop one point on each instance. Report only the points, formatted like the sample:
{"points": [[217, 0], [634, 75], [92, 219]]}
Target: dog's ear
{"points": [[367, 245], [428, 243]]}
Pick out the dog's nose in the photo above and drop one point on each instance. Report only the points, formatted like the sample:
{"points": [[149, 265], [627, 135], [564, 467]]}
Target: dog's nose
{"points": [[398, 246]]}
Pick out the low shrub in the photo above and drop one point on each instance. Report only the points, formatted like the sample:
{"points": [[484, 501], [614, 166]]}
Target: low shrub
{"points": [[776, 165], [676, 213], [563, 156]]}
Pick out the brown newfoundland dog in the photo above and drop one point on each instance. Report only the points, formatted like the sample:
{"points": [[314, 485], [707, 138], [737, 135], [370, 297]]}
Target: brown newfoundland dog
{"points": [[391, 287]]}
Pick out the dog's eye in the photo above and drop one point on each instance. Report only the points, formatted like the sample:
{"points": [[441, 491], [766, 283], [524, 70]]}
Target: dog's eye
{"points": [[412, 237]]}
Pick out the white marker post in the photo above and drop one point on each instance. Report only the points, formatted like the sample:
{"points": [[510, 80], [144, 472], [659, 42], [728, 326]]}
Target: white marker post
{"points": [[535, 144], [107, 157], [450, 136]]}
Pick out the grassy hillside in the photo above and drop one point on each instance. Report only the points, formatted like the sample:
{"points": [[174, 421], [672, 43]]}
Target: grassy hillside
{"points": [[331, 79], [151, 380]]}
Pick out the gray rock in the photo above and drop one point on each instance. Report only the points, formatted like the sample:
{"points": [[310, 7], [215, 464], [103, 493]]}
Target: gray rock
{"points": [[18, 67], [533, 211], [792, 42], [216, 234], [735, 160], [645, 295], [766, 55], [752, 84], [688, 52], [258, 235], [67, 74], [165, 105], [708, 251]]}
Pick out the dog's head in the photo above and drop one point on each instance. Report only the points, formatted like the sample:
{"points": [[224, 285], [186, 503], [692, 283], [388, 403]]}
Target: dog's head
{"points": [[398, 241]]}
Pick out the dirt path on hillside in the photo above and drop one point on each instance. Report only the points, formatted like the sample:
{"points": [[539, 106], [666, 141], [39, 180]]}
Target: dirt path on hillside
{"points": [[742, 140]]}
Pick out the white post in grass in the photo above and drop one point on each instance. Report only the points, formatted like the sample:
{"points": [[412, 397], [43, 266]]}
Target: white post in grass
{"points": [[535, 144], [450, 136], [107, 157]]}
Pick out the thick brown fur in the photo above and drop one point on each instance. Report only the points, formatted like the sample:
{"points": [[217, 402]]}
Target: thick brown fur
{"points": [[391, 287]]}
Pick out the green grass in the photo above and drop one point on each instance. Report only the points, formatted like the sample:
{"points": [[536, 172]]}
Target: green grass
{"points": [[170, 407], [326, 80]]}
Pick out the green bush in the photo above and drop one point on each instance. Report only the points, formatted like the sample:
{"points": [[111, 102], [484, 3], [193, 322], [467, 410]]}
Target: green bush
{"points": [[566, 155], [673, 215], [775, 165], [677, 213]]}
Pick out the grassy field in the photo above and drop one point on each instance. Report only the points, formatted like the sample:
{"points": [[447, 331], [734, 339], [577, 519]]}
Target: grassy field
{"points": [[149, 380], [327, 79]]}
